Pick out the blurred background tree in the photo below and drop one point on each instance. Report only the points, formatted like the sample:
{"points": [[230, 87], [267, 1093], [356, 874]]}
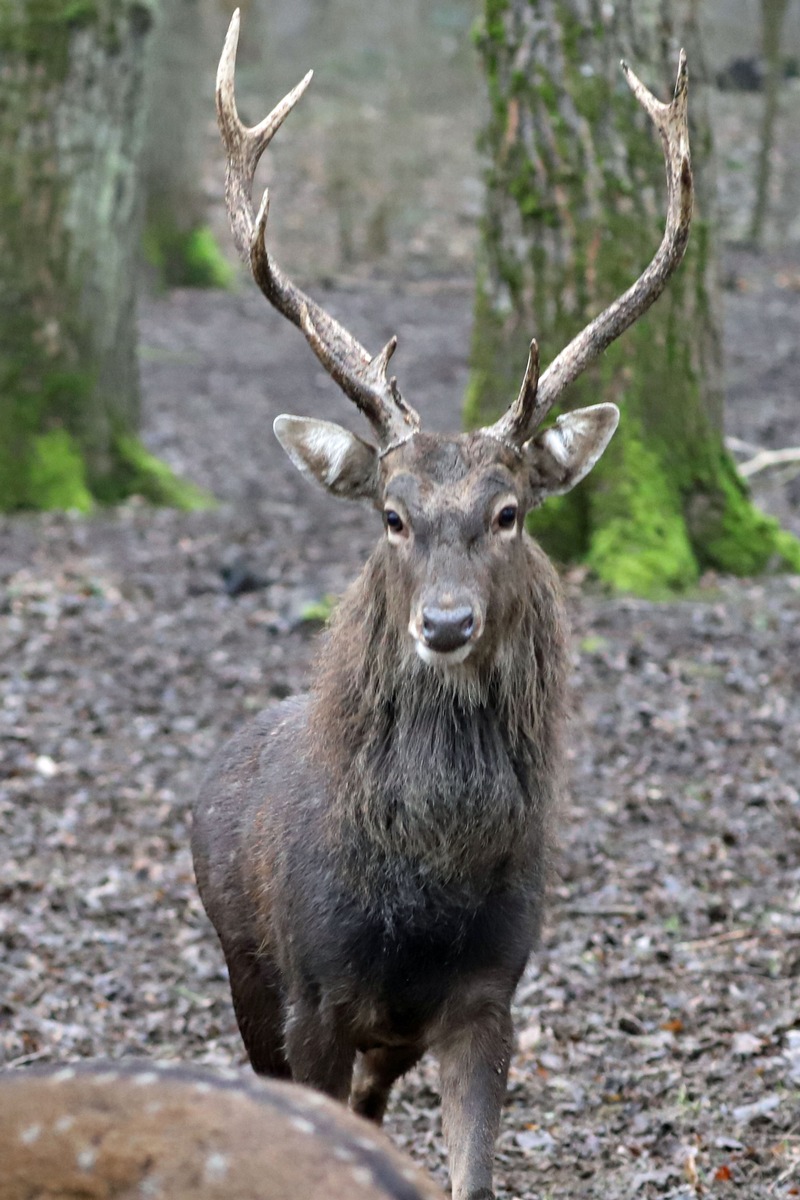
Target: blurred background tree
{"points": [[178, 242], [71, 121], [574, 211], [773, 16]]}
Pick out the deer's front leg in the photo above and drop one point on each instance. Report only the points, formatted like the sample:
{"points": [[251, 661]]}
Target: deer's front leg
{"points": [[474, 1049], [319, 1055]]}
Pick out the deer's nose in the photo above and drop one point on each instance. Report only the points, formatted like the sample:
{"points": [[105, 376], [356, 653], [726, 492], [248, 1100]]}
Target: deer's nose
{"points": [[445, 629]]}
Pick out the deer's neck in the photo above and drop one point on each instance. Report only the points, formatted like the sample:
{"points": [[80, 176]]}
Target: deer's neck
{"points": [[453, 772]]}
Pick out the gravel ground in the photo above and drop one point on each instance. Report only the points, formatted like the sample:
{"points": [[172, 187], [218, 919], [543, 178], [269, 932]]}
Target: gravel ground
{"points": [[659, 1030]]}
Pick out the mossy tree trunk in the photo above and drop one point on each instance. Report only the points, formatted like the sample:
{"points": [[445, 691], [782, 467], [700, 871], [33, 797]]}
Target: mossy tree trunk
{"points": [[179, 244], [575, 210], [73, 76]]}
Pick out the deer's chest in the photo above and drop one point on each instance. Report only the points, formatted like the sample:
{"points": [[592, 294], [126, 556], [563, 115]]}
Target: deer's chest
{"points": [[393, 964]]}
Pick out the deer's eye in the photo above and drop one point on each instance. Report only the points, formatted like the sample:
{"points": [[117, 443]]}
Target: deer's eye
{"points": [[394, 522], [507, 517]]}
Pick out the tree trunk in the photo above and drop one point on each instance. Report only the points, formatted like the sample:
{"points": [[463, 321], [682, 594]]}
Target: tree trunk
{"points": [[70, 122], [178, 243], [575, 210], [773, 14]]}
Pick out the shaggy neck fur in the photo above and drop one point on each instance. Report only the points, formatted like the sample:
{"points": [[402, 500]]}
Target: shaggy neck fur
{"points": [[450, 772]]}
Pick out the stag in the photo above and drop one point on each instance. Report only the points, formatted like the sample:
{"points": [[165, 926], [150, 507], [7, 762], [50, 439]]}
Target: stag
{"points": [[374, 855]]}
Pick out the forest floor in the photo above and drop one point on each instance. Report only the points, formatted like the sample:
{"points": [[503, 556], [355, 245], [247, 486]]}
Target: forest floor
{"points": [[659, 1026]]}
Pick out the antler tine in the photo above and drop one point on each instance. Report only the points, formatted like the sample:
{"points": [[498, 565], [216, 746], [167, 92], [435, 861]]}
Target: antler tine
{"points": [[518, 423], [671, 120], [244, 146], [362, 377]]}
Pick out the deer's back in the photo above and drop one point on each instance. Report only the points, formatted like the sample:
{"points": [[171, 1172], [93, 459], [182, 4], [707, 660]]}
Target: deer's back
{"points": [[259, 786], [137, 1128]]}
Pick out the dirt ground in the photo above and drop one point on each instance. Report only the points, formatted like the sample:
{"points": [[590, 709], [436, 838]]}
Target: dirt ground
{"points": [[659, 1029]]}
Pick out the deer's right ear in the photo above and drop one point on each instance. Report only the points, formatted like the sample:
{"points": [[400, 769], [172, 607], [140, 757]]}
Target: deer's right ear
{"points": [[341, 461]]}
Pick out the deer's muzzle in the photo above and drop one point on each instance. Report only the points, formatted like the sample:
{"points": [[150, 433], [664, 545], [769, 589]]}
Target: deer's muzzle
{"points": [[446, 629]]}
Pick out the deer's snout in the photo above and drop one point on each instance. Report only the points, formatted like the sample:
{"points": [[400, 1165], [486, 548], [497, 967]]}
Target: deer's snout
{"points": [[446, 629]]}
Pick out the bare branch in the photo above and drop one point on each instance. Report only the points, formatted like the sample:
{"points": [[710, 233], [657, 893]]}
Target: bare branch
{"points": [[765, 459], [362, 377], [737, 446]]}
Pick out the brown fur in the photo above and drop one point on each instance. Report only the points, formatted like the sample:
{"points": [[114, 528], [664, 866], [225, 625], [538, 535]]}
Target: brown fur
{"points": [[132, 1128], [461, 763]]}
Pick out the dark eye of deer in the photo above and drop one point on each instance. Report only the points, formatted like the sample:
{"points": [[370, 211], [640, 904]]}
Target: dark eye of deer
{"points": [[507, 517], [393, 521]]}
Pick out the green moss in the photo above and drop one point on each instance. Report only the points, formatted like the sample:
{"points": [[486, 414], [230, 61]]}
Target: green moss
{"points": [[41, 464], [489, 37], [319, 611], [43, 472], [494, 26], [732, 535], [186, 258], [48, 469], [137, 472], [786, 549], [498, 355], [638, 541], [561, 526], [206, 264], [79, 12], [40, 30], [56, 476], [522, 186], [54, 447], [547, 91]]}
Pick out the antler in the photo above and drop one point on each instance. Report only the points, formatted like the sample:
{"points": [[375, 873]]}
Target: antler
{"points": [[532, 405], [362, 377]]}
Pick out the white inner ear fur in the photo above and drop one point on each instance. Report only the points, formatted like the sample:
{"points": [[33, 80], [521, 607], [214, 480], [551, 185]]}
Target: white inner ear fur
{"points": [[558, 442], [573, 444], [341, 461], [332, 444]]}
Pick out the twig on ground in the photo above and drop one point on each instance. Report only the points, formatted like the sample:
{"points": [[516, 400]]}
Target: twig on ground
{"points": [[728, 935]]}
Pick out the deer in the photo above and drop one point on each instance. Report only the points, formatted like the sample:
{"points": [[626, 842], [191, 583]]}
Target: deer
{"points": [[126, 1128], [374, 855]]}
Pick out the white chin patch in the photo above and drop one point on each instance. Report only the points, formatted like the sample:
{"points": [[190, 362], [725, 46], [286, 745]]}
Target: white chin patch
{"points": [[436, 658]]}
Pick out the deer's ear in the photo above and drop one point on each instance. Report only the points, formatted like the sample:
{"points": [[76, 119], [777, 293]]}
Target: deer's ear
{"points": [[341, 461], [560, 456]]}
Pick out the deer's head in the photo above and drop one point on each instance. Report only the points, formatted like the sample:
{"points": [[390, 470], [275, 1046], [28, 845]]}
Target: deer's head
{"points": [[453, 511], [453, 507]]}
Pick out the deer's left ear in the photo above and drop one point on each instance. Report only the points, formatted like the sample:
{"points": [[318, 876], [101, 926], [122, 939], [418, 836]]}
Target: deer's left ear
{"points": [[560, 456]]}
